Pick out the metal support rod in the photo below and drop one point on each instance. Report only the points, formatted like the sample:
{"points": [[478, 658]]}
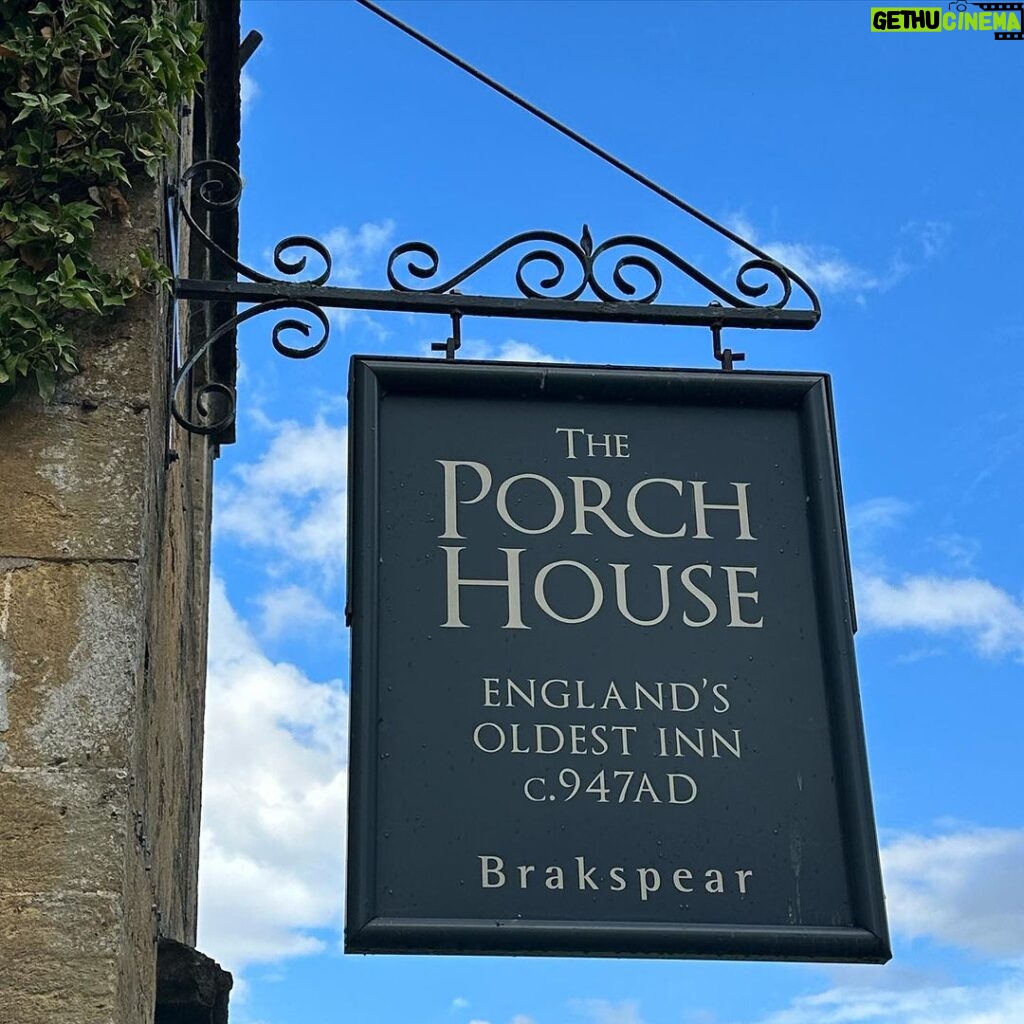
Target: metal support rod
{"points": [[481, 305], [564, 129]]}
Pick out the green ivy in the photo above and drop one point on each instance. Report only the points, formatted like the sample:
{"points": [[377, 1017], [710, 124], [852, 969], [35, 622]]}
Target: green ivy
{"points": [[89, 93]]}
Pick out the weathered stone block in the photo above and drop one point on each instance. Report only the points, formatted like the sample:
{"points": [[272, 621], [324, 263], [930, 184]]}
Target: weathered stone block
{"points": [[72, 479], [110, 348], [63, 830], [104, 560], [58, 962], [68, 656]]}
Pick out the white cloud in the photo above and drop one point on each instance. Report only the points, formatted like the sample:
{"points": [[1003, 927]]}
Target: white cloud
{"points": [[604, 1011], [825, 269], [250, 90], [993, 1004], [291, 610], [354, 251], [963, 889], [960, 550], [938, 603], [700, 1017], [929, 237], [990, 618], [876, 514], [522, 1018], [274, 799], [460, 1003], [920, 654], [522, 352], [508, 351], [292, 500], [822, 267], [364, 331]]}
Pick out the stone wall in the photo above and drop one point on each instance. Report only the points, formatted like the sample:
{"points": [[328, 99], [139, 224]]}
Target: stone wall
{"points": [[104, 558]]}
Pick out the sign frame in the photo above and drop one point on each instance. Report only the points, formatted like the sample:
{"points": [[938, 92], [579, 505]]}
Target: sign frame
{"points": [[372, 379]]}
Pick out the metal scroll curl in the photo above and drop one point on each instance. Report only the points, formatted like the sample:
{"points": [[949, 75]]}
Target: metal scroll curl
{"points": [[204, 397], [217, 186], [639, 258], [553, 260]]}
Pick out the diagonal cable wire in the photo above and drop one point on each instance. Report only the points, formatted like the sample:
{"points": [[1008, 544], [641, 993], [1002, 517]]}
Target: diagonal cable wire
{"points": [[570, 133]]}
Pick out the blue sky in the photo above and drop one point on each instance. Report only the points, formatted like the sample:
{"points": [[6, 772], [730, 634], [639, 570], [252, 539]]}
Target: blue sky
{"points": [[885, 169]]}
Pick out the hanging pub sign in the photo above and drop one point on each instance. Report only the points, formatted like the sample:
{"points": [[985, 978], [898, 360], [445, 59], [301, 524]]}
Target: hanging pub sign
{"points": [[604, 699]]}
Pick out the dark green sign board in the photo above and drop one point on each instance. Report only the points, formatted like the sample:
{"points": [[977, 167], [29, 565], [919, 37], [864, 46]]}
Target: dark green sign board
{"points": [[604, 699]]}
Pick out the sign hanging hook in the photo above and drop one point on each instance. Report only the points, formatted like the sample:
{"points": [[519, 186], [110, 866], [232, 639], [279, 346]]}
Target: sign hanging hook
{"points": [[725, 356], [450, 346]]}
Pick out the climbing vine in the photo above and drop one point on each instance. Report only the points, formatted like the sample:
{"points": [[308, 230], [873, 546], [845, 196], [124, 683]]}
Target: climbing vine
{"points": [[89, 94]]}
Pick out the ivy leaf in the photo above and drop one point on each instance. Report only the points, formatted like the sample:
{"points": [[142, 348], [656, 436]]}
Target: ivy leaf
{"points": [[46, 380], [20, 286], [70, 77], [84, 300], [87, 94]]}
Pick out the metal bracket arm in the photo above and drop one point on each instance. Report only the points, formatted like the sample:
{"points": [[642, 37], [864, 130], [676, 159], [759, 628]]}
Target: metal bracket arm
{"points": [[495, 306], [555, 275]]}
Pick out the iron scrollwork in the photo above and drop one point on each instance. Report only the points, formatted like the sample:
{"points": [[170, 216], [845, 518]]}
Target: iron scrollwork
{"points": [[421, 261], [214, 186], [210, 422], [551, 276], [557, 277], [224, 192]]}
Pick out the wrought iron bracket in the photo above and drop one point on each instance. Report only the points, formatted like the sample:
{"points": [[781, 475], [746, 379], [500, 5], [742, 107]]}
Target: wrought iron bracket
{"points": [[556, 277]]}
